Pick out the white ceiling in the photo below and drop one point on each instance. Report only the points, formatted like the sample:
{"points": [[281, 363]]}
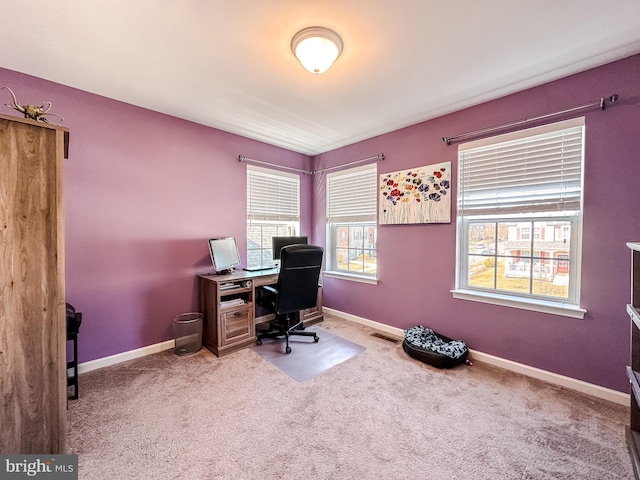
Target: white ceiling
{"points": [[228, 63]]}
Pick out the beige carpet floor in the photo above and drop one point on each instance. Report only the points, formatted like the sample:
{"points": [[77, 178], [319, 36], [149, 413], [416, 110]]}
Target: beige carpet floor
{"points": [[378, 415]]}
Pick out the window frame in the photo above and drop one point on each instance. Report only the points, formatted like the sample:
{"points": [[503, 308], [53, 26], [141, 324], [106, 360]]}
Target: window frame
{"points": [[570, 306], [285, 218], [363, 216]]}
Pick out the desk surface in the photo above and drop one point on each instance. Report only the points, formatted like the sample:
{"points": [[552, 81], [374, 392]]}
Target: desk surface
{"points": [[241, 275]]}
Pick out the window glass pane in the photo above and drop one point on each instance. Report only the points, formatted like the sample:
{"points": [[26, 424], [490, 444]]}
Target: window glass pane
{"points": [[502, 232], [372, 239], [482, 271], [355, 248], [342, 257], [259, 246], [361, 251], [509, 265], [355, 264], [254, 245], [548, 282], [342, 237], [514, 275], [482, 238], [517, 267]]}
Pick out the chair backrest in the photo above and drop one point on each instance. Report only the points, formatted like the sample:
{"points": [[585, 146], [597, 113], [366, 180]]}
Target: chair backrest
{"points": [[74, 319], [298, 279]]}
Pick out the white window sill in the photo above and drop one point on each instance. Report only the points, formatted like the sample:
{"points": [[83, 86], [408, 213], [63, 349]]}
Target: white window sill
{"points": [[351, 276], [553, 308]]}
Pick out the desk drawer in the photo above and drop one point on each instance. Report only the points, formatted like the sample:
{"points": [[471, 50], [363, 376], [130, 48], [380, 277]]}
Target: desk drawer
{"points": [[266, 280], [236, 326]]}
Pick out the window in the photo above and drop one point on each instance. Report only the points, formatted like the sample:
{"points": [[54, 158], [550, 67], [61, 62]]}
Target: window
{"points": [[351, 221], [519, 220], [273, 209]]}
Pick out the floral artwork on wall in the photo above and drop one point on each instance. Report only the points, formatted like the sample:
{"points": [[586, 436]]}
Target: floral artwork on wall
{"points": [[417, 195]]}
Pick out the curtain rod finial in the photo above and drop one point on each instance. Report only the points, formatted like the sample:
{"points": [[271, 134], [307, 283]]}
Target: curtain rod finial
{"points": [[241, 158], [446, 140], [612, 98]]}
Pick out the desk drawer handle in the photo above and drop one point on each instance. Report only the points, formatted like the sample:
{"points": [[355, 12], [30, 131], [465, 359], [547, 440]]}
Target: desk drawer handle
{"points": [[238, 314]]}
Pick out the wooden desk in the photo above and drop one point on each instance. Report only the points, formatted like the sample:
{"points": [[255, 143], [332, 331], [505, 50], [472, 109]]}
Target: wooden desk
{"points": [[231, 313]]}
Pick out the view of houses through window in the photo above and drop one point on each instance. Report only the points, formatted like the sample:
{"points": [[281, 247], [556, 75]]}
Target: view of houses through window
{"points": [[505, 256], [259, 234], [356, 248]]}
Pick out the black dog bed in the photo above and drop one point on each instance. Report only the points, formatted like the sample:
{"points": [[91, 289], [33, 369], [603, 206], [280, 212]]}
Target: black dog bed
{"points": [[433, 348]]}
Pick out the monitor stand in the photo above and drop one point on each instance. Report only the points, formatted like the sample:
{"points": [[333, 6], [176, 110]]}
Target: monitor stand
{"points": [[227, 271]]}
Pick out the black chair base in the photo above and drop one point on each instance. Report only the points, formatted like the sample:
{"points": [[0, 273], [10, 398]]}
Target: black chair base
{"points": [[286, 330]]}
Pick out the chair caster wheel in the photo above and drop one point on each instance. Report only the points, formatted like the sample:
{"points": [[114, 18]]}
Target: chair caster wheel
{"points": [[288, 350], [316, 339], [258, 342]]}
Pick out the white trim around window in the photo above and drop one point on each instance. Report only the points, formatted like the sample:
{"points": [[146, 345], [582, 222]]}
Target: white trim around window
{"points": [[519, 219], [352, 224]]}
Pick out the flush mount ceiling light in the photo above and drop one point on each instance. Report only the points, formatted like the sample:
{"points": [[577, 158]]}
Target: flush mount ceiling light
{"points": [[316, 48]]}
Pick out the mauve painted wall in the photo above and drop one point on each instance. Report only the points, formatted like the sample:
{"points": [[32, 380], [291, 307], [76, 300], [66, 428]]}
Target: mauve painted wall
{"points": [[417, 262], [142, 193], [144, 190]]}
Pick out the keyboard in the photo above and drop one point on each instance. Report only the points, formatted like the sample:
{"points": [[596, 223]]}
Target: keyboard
{"points": [[257, 269]]}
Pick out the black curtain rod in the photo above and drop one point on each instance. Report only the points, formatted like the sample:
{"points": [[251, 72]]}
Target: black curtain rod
{"points": [[600, 103], [242, 158]]}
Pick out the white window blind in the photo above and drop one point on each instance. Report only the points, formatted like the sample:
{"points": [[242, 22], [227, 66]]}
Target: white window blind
{"points": [[533, 170], [272, 196], [352, 195]]}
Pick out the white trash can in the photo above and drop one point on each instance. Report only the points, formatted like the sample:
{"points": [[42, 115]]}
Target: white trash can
{"points": [[187, 331]]}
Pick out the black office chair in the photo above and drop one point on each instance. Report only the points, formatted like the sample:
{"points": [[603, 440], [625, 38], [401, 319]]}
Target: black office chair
{"points": [[74, 319], [296, 289]]}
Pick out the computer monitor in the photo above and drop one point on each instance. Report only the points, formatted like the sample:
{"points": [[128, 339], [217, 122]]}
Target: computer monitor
{"points": [[278, 242], [224, 254]]}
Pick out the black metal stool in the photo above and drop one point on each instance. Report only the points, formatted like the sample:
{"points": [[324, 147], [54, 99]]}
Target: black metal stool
{"points": [[74, 319]]}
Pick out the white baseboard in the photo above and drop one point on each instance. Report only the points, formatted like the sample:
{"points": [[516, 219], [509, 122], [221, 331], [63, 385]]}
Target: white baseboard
{"points": [[549, 377], [124, 356], [544, 375]]}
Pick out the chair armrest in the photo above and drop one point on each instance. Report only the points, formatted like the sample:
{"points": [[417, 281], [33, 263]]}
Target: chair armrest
{"points": [[266, 297], [269, 289]]}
